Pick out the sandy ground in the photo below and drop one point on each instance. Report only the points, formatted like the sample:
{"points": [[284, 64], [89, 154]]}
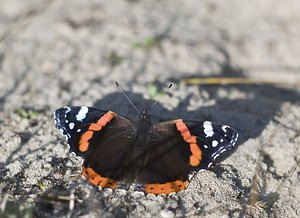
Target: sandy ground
{"points": [[55, 53]]}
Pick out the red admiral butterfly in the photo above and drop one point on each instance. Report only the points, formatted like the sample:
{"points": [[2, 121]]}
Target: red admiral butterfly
{"points": [[160, 158]]}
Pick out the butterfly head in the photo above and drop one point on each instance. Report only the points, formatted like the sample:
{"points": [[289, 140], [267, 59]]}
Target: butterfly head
{"points": [[145, 116]]}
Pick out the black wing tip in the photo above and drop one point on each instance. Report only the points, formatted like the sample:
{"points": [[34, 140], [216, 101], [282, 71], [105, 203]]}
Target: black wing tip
{"points": [[60, 116], [226, 151], [234, 139]]}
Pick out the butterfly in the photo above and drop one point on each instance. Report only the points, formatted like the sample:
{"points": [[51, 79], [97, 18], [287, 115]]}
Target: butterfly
{"points": [[160, 158]]}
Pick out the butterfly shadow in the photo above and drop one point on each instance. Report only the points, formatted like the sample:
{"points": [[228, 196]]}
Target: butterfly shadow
{"points": [[248, 116]]}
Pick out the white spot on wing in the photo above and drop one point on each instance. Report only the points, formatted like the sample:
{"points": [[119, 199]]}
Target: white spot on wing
{"points": [[68, 109], [217, 155], [221, 140], [224, 128], [205, 146], [191, 175], [71, 125], [78, 130], [208, 129], [82, 113], [214, 143], [62, 131], [223, 150]]}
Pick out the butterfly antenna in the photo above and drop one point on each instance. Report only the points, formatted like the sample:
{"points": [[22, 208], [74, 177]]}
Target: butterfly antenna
{"points": [[157, 100], [117, 84]]}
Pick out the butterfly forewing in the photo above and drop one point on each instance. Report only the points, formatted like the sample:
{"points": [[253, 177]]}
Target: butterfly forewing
{"points": [[214, 140], [87, 128]]}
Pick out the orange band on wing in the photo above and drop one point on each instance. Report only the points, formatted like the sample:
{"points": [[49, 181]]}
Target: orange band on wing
{"points": [[165, 188], [105, 118], [86, 136], [194, 161], [83, 147], [97, 180], [94, 127], [196, 155], [196, 151]]}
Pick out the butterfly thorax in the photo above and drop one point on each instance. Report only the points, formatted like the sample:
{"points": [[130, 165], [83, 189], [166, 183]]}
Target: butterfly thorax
{"points": [[142, 129]]}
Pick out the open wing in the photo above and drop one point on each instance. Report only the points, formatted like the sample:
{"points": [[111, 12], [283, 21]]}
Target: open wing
{"points": [[179, 149], [102, 138]]}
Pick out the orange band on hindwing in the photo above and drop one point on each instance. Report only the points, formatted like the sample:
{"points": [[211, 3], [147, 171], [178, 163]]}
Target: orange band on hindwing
{"points": [[196, 155], [97, 180], [94, 127], [165, 188]]}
